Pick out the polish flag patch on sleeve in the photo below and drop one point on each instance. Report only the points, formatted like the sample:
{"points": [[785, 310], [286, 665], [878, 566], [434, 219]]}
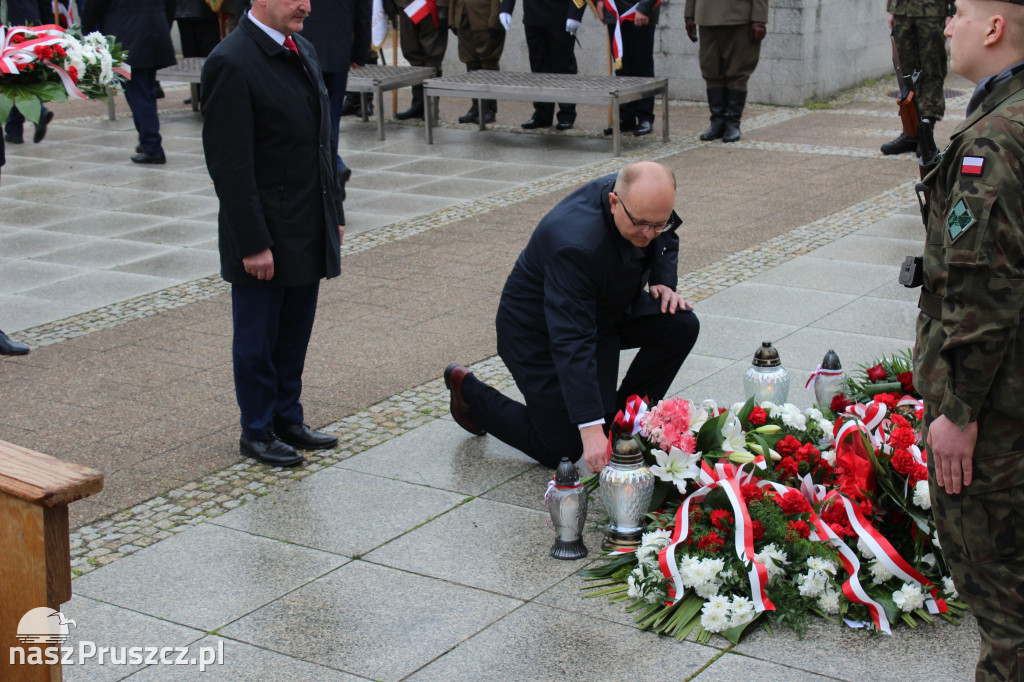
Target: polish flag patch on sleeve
{"points": [[972, 165]]}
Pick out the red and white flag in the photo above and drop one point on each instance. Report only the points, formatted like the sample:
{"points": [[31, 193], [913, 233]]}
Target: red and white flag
{"points": [[420, 9], [972, 165], [628, 15]]}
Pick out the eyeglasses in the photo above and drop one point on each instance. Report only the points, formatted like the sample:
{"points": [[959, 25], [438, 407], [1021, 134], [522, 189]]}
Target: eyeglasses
{"points": [[673, 220]]}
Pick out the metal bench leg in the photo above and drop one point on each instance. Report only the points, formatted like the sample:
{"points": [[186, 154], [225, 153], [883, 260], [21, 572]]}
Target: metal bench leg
{"points": [[194, 91], [664, 115], [480, 114], [616, 133], [363, 100], [428, 113], [111, 114], [380, 114]]}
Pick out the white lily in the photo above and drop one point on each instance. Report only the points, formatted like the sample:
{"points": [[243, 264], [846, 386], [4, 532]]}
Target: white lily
{"points": [[733, 437], [676, 466], [698, 416]]}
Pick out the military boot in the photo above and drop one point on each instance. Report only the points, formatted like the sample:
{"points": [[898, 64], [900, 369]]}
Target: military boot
{"points": [[490, 108], [734, 103], [901, 145], [471, 116], [716, 103], [415, 110]]}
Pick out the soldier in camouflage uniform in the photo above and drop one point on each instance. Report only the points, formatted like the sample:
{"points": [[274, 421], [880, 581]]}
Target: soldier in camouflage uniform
{"points": [[969, 356], [917, 26]]}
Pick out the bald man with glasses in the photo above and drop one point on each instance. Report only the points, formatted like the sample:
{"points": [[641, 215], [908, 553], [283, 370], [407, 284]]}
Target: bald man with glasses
{"points": [[595, 278]]}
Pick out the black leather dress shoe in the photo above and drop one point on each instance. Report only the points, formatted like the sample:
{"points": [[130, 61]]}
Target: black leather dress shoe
{"points": [[143, 157], [270, 452], [453, 377], [533, 124], [624, 127], [305, 438], [563, 125], [44, 120], [9, 346], [643, 128], [470, 116]]}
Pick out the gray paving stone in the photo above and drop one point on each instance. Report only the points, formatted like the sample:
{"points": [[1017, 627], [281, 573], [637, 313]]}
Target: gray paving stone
{"points": [[440, 167], [106, 224], [111, 198], [735, 338], [387, 203], [34, 243], [726, 386], [899, 226], [731, 666], [362, 221], [176, 207], [179, 232], [443, 455], [206, 576], [540, 642], [98, 253], [243, 663], [372, 620], [30, 214], [806, 348], [461, 188], [861, 248], [106, 625], [341, 511], [515, 563], [822, 274], [21, 312], [180, 265], [773, 303], [378, 179], [358, 160], [869, 315], [20, 274]]}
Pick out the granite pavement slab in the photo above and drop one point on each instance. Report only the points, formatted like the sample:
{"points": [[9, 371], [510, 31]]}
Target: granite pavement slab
{"points": [[773, 303], [372, 620], [341, 511]]}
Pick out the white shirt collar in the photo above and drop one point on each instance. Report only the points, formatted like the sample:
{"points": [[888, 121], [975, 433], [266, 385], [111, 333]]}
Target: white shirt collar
{"points": [[273, 33]]}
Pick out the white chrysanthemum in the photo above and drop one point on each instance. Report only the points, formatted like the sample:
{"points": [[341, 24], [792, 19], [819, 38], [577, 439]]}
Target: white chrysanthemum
{"points": [[727, 575], [879, 572], [741, 611], [909, 597], [714, 620], [106, 68], [818, 564], [949, 588], [717, 603], [935, 540], [921, 497], [687, 571], [706, 590], [676, 467], [814, 414], [793, 417], [826, 427], [829, 455], [828, 600], [928, 559], [865, 550], [773, 410], [773, 559], [733, 437], [635, 585], [812, 583], [661, 536]]}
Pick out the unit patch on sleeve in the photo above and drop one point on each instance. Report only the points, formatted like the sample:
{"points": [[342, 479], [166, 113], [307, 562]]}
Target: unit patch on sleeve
{"points": [[959, 220], [972, 165]]}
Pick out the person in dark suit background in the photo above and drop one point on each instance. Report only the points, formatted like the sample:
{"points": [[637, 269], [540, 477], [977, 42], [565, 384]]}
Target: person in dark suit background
{"points": [[597, 276], [143, 27], [340, 32], [267, 138], [550, 27], [27, 13], [637, 59]]}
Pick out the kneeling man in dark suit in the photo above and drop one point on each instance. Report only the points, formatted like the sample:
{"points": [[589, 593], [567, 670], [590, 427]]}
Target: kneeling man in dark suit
{"points": [[267, 138], [598, 276]]}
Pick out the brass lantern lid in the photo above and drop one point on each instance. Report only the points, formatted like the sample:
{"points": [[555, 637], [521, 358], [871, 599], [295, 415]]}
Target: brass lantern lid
{"points": [[626, 452], [767, 356]]}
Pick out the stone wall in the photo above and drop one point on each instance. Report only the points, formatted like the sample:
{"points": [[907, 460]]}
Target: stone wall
{"points": [[813, 49]]}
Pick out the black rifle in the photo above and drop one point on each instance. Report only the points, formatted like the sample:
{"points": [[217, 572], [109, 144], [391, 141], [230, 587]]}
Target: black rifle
{"points": [[928, 155]]}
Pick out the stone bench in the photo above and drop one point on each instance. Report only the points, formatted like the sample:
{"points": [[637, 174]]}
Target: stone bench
{"points": [[547, 87], [35, 561], [376, 79]]}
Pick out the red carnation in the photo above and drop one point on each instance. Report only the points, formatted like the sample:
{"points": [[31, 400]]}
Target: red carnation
{"points": [[788, 467], [721, 518], [902, 437], [711, 542], [903, 462], [888, 399], [807, 453], [18, 39], [899, 421], [793, 503], [757, 529], [757, 416], [866, 507], [59, 51], [920, 473], [876, 373], [839, 403], [73, 74], [800, 528], [44, 52], [906, 380], [752, 492], [788, 446]]}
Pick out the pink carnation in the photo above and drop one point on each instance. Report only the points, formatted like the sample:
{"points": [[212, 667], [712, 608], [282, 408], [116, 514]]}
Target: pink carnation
{"points": [[668, 424]]}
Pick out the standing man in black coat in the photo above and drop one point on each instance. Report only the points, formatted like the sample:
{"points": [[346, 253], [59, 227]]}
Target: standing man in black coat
{"points": [[340, 32], [595, 278], [267, 138], [550, 27], [143, 27], [637, 57], [27, 13]]}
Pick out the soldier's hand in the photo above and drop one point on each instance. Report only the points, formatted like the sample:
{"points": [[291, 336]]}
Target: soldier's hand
{"points": [[571, 26], [691, 29], [260, 265], [952, 452], [757, 31], [641, 19]]}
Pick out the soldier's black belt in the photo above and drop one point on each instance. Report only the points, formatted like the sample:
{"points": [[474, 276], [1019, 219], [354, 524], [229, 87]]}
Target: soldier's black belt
{"points": [[930, 304]]}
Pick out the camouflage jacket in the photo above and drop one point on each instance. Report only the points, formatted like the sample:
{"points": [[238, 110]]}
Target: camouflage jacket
{"points": [[920, 8], [969, 361]]}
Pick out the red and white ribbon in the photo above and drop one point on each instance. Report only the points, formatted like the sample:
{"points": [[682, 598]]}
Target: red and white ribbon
{"points": [[824, 373], [628, 15], [418, 10], [725, 477], [17, 57]]}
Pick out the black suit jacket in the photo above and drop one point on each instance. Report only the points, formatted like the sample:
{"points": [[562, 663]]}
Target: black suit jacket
{"points": [[267, 138], [575, 281], [546, 12], [340, 32], [143, 27], [29, 12]]}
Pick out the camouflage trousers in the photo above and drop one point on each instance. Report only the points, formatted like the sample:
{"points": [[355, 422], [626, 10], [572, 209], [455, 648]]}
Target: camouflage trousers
{"points": [[982, 539], [921, 45]]}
